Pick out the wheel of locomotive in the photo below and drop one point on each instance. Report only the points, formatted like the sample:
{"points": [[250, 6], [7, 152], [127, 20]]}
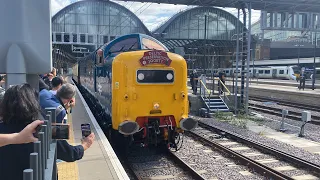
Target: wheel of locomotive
{"points": [[119, 142], [179, 140]]}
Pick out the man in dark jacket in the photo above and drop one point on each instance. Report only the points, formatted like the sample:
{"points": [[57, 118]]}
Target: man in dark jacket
{"points": [[222, 77], [65, 151], [194, 81]]}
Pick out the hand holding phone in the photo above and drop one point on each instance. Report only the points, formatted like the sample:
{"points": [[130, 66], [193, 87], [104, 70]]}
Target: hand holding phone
{"points": [[86, 130], [38, 129], [60, 131]]}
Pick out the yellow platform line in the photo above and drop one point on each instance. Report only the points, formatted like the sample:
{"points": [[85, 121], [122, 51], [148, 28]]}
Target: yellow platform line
{"points": [[69, 170]]}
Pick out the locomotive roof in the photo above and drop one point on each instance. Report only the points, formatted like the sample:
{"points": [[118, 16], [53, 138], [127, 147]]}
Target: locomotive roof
{"points": [[130, 42]]}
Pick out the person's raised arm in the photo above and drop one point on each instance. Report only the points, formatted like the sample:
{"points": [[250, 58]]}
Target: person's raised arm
{"points": [[25, 136]]}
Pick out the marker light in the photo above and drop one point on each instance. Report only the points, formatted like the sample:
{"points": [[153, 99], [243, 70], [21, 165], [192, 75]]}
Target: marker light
{"points": [[169, 76], [140, 76]]}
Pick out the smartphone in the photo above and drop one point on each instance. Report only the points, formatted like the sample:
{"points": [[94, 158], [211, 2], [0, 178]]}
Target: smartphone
{"points": [[86, 130], [60, 131], [38, 129]]}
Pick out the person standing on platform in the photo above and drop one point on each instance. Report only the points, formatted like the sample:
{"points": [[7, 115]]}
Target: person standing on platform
{"points": [[48, 80], [56, 84], [18, 108], [222, 77], [302, 83], [194, 81], [63, 100]]}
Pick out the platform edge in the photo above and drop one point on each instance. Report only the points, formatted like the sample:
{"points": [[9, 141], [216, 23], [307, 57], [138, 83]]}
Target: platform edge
{"points": [[121, 173]]}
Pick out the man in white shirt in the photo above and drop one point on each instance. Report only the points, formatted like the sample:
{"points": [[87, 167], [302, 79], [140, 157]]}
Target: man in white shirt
{"points": [[56, 84]]}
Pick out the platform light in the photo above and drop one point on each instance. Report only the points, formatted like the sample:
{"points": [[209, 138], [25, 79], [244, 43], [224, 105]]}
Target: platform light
{"points": [[156, 106], [140, 76]]}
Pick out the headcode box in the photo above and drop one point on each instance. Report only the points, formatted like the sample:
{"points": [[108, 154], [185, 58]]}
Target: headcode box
{"points": [[25, 37]]}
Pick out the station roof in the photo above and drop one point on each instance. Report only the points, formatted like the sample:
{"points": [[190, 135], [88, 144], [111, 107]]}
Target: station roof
{"points": [[268, 5]]}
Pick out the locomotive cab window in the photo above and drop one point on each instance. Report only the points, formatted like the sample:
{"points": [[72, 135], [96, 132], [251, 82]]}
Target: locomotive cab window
{"points": [[149, 44], [155, 76]]}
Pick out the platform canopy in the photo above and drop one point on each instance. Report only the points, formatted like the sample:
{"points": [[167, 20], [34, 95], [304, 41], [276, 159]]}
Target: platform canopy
{"points": [[272, 5]]}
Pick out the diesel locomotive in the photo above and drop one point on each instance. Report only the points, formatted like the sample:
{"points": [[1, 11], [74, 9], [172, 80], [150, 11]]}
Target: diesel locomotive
{"points": [[138, 89]]}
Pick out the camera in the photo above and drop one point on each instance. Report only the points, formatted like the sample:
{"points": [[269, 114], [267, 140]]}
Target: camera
{"points": [[59, 131]]}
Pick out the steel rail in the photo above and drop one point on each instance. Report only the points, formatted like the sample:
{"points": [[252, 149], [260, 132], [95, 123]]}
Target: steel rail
{"points": [[171, 156], [288, 157], [277, 111], [256, 166], [287, 103], [185, 166]]}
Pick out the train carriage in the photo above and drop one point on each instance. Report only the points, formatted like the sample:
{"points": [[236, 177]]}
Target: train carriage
{"points": [[140, 90]]}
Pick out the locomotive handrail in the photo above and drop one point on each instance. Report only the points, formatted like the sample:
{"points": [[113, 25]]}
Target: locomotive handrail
{"points": [[205, 87]]}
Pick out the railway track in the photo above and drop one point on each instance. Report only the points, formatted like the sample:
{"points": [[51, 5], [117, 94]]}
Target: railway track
{"points": [[151, 163], [265, 160], [286, 103], [278, 112]]}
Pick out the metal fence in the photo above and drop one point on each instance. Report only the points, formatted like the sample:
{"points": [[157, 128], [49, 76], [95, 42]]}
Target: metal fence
{"points": [[43, 159]]}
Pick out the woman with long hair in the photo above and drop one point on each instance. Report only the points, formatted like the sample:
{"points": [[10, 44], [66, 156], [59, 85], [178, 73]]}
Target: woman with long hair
{"points": [[18, 108]]}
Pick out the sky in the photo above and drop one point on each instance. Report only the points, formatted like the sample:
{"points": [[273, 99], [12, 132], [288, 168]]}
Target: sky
{"points": [[151, 14]]}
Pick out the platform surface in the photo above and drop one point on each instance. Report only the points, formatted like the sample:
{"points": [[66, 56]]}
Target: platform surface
{"points": [[99, 161]]}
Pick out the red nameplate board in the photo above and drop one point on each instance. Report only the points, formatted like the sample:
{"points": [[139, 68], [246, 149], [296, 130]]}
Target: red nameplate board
{"points": [[155, 57]]}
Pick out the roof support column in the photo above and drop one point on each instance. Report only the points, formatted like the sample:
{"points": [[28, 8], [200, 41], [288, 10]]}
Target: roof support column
{"points": [[237, 66], [248, 57]]}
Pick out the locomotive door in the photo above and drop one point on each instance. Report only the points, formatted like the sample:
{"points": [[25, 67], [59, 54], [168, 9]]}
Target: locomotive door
{"points": [[274, 73]]}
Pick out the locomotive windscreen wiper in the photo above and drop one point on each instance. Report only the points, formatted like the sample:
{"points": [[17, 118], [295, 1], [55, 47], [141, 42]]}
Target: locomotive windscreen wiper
{"points": [[131, 46], [146, 47]]}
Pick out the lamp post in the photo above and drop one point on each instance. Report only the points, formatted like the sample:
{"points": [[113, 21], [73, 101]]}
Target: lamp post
{"points": [[299, 45], [314, 58], [193, 59]]}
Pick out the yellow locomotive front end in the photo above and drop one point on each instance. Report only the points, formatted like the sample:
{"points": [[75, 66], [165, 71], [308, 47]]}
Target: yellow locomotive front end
{"points": [[150, 97]]}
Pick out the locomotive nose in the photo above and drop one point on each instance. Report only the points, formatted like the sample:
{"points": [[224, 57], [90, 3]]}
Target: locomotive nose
{"points": [[128, 127], [188, 124]]}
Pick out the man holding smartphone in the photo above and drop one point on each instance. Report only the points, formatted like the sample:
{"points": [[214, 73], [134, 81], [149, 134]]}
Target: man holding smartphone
{"points": [[63, 100]]}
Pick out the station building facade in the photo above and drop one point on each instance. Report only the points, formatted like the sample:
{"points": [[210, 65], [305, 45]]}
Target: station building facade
{"points": [[83, 26], [206, 35], [277, 44]]}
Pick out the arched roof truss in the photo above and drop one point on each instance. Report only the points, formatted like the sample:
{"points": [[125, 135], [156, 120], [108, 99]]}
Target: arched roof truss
{"points": [[97, 17], [191, 24]]}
